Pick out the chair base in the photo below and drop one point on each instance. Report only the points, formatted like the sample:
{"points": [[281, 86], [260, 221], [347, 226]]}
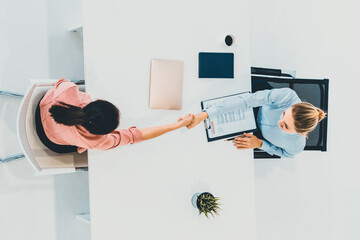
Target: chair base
{"points": [[9, 159]]}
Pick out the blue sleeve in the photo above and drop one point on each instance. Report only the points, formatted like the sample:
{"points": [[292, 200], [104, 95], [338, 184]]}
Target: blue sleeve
{"points": [[278, 97], [274, 150]]}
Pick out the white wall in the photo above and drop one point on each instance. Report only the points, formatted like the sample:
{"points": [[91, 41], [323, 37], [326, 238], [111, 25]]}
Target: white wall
{"points": [[315, 195], [23, 43], [34, 43]]}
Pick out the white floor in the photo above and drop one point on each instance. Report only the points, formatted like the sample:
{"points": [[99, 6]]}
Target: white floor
{"points": [[35, 43], [313, 196]]}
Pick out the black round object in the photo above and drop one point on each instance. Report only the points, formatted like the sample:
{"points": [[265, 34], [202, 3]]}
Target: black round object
{"points": [[229, 40]]}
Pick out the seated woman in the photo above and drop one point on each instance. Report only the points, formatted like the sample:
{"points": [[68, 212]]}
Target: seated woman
{"points": [[283, 120], [67, 120]]}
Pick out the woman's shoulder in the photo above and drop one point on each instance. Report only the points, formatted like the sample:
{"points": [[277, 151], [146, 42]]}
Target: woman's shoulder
{"points": [[67, 92], [56, 93], [297, 143], [282, 97], [65, 89], [293, 143]]}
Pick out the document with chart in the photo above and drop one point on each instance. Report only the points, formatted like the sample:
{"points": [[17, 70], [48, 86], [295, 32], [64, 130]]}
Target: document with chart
{"points": [[231, 120]]}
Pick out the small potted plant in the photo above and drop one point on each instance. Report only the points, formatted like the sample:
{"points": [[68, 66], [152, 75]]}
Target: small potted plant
{"points": [[206, 203]]}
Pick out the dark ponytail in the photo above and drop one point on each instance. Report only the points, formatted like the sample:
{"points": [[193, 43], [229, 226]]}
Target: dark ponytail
{"points": [[99, 117], [68, 115]]}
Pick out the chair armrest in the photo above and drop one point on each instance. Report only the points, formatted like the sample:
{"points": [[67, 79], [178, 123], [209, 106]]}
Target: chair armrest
{"points": [[51, 82], [265, 71], [78, 82], [272, 72]]}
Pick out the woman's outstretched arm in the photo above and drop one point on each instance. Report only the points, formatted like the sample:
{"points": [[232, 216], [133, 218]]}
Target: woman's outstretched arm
{"points": [[153, 132]]}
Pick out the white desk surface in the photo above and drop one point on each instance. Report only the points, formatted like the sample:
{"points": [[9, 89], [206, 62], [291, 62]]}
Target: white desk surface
{"points": [[143, 191]]}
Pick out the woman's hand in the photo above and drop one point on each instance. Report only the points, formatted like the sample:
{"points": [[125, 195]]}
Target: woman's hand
{"points": [[249, 141], [198, 118], [186, 120]]}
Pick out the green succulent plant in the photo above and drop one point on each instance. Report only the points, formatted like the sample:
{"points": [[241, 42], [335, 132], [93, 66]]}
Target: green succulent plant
{"points": [[207, 203]]}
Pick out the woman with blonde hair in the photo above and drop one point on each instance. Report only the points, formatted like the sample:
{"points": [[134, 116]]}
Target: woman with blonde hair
{"points": [[284, 121], [306, 117]]}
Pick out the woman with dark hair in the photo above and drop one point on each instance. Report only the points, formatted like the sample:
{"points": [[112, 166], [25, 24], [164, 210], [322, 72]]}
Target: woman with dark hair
{"points": [[67, 120]]}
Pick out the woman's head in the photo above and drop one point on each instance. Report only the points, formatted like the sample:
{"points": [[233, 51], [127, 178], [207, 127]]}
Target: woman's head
{"points": [[301, 118], [98, 117]]}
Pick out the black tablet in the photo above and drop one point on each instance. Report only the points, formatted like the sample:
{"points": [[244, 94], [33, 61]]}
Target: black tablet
{"points": [[216, 65]]}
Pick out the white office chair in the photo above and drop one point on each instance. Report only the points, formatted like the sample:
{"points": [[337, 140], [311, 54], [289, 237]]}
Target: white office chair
{"points": [[43, 160]]}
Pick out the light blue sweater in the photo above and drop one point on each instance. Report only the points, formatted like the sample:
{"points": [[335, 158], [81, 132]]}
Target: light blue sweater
{"points": [[272, 104]]}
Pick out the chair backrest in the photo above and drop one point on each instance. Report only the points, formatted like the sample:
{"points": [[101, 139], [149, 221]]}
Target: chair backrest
{"points": [[314, 91], [40, 157]]}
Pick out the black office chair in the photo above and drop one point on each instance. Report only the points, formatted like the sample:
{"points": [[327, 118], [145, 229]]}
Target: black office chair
{"points": [[314, 91]]}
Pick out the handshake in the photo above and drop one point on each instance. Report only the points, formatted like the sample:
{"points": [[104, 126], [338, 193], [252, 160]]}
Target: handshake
{"points": [[247, 141], [191, 120]]}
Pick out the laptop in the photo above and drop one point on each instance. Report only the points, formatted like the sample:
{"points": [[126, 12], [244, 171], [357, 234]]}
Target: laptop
{"points": [[166, 84]]}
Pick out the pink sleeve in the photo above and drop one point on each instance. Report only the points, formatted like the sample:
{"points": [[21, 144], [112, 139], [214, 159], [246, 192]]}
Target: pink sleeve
{"points": [[121, 137]]}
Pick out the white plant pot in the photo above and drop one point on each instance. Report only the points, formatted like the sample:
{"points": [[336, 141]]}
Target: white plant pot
{"points": [[194, 199]]}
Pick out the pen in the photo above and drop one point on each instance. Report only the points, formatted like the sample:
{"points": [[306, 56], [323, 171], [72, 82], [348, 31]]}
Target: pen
{"points": [[230, 139]]}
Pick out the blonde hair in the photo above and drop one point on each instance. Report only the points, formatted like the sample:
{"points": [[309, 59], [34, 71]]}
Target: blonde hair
{"points": [[306, 117]]}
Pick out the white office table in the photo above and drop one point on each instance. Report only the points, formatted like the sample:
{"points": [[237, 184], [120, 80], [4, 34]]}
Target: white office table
{"points": [[144, 191]]}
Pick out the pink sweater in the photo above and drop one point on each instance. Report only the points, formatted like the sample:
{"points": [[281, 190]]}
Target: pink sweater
{"points": [[67, 92]]}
